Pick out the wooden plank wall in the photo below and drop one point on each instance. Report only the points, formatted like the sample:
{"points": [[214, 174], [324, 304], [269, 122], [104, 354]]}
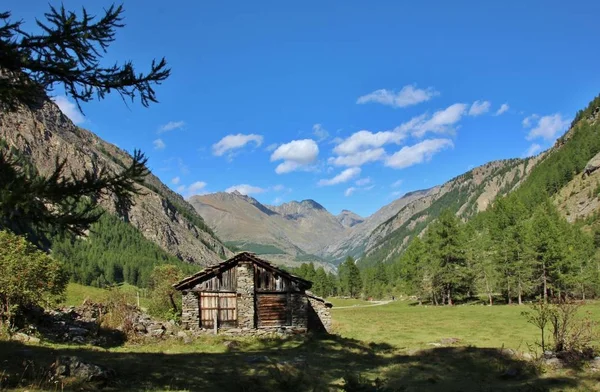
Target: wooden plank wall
{"points": [[270, 281], [273, 310], [224, 281]]}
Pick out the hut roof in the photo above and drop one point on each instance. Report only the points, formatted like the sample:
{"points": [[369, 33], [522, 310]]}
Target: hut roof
{"points": [[209, 272]]}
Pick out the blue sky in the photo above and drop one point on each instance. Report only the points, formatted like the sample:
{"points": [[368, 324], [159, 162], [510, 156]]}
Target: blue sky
{"points": [[349, 103]]}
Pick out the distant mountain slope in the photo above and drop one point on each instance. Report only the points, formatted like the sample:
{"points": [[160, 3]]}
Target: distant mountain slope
{"points": [[349, 218], [465, 195], [294, 228], [161, 215]]}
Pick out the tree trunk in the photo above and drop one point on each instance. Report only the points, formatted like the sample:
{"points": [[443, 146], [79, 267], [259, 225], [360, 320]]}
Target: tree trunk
{"points": [[488, 291], [520, 293], [545, 283], [509, 298], [449, 298]]}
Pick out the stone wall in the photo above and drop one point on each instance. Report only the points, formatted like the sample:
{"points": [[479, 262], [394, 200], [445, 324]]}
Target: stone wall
{"points": [[190, 312], [245, 295], [299, 304], [319, 315]]}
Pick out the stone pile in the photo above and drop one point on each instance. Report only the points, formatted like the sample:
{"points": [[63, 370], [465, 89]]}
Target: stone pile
{"points": [[83, 325]]}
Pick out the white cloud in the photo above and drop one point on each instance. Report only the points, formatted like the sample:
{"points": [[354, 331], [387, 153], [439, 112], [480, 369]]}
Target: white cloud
{"points": [[396, 184], [361, 140], [407, 96], [349, 191], [548, 127], [277, 200], [479, 107], [69, 109], [233, 142], [363, 181], [175, 180], [528, 121], [359, 158], [245, 189], [418, 153], [320, 132], [344, 176], [171, 126], [296, 155], [441, 121], [533, 150], [503, 109], [159, 144], [196, 188]]}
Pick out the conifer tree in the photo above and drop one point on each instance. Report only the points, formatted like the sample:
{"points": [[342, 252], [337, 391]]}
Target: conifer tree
{"points": [[66, 53]]}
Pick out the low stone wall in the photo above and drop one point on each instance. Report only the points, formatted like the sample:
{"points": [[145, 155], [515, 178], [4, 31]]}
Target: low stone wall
{"points": [[319, 314], [264, 332], [245, 295]]}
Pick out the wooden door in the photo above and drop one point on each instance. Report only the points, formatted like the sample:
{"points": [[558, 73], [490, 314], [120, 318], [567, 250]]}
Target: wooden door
{"points": [[272, 310], [221, 305]]}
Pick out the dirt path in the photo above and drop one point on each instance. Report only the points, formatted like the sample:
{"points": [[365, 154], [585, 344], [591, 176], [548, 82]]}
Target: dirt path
{"points": [[375, 303]]}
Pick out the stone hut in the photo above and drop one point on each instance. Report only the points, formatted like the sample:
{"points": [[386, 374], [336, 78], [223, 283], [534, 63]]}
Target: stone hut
{"points": [[249, 295]]}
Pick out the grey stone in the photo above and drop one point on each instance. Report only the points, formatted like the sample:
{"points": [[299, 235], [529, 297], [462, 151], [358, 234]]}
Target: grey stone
{"points": [[75, 367], [77, 331], [553, 363], [449, 340], [78, 340]]}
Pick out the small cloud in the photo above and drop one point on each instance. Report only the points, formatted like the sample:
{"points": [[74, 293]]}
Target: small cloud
{"points": [[396, 184], [196, 188], [245, 189], [441, 121], [503, 109], [358, 158], [180, 189], [349, 191], [69, 109], [396, 193], [281, 188], [159, 144], [344, 176], [479, 107], [296, 155], [407, 96], [418, 153], [363, 140], [272, 147], [175, 180], [277, 200], [171, 126], [320, 132], [234, 142], [534, 149], [548, 127], [363, 181], [528, 121]]}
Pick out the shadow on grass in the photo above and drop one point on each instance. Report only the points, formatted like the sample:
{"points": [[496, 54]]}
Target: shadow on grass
{"points": [[295, 364]]}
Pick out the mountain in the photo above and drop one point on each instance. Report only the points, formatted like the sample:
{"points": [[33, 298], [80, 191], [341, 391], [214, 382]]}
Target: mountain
{"points": [[349, 218], [43, 133], [296, 230]]}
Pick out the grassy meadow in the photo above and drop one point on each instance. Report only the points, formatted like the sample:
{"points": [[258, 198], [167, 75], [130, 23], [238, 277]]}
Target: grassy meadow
{"points": [[401, 344]]}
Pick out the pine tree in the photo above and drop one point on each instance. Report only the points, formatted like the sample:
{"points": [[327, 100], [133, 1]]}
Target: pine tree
{"points": [[67, 53], [350, 278]]}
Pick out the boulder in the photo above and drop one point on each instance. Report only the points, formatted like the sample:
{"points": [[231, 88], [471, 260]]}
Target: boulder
{"points": [[553, 363], [592, 165], [75, 367]]}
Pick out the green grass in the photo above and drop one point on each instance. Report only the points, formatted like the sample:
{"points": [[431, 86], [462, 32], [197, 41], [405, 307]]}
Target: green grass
{"points": [[347, 301], [77, 293], [390, 342], [404, 324]]}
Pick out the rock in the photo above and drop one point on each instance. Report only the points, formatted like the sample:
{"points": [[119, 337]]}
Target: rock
{"points": [[592, 165], [182, 334], [257, 359], [231, 344], [21, 337], [76, 331], [528, 357], [553, 363], [78, 340], [75, 367], [157, 332], [447, 341], [595, 363], [510, 373], [140, 328], [187, 340], [435, 344], [549, 354]]}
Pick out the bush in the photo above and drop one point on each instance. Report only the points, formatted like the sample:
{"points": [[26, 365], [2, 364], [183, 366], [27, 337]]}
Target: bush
{"points": [[28, 276], [164, 299]]}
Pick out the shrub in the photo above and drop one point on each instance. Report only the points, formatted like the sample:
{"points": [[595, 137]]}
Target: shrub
{"points": [[28, 276], [163, 297]]}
